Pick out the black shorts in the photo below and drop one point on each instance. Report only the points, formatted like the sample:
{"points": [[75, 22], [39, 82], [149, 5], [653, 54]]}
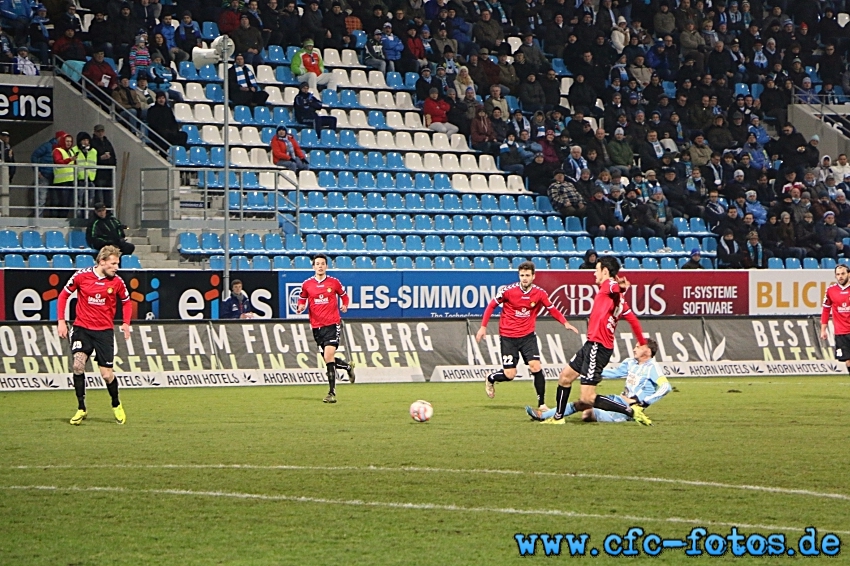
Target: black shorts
{"points": [[327, 336], [513, 347], [590, 361], [101, 342], [842, 347]]}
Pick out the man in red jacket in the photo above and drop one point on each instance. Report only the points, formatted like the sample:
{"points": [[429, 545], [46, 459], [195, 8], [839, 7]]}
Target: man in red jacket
{"points": [[287, 153], [435, 110], [101, 73], [228, 21]]}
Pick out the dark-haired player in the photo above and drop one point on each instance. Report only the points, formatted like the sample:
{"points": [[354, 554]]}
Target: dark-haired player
{"points": [[521, 302], [99, 291], [588, 363], [645, 385], [323, 293], [836, 301]]}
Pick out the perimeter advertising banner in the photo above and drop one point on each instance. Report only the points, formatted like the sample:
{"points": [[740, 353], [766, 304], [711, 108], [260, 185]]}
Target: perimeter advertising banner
{"points": [[256, 352]]}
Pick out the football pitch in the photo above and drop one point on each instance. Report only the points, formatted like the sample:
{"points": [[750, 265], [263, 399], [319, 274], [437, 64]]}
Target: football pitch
{"points": [[270, 475]]}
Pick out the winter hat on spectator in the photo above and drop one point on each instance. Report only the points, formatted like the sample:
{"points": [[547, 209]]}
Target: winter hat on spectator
{"points": [[619, 131], [738, 173], [695, 251], [828, 213]]}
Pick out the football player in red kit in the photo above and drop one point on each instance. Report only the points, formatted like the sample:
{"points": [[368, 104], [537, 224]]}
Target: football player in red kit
{"points": [[99, 291], [521, 303], [836, 302], [323, 293]]}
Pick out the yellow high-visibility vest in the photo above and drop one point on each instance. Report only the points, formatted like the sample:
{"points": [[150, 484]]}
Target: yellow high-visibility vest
{"points": [[86, 164], [64, 174]]}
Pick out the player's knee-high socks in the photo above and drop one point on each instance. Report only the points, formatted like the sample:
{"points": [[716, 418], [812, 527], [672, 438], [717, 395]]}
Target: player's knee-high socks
{"points": [[613, 404], [497, 376], [80, 390], [540, 387], [562, 397], [341, 364], [112, 387], [332, 378]]}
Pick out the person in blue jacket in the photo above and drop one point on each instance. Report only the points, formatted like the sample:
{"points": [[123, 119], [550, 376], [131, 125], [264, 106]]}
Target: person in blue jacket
{"points": [[392, 47], [238, 305]]}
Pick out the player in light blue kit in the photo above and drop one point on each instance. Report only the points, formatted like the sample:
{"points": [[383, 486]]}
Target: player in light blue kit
{"points": [[645, 385]]}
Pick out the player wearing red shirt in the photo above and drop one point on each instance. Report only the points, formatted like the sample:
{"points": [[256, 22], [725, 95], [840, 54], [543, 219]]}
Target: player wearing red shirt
{"points": [[322, 294], [521, 303], [99, 291], [836, 301], [589, 362]]}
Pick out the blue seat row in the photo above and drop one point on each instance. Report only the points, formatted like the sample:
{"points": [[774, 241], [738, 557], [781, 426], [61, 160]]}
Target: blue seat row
{"points": [[60, 261], [807, 263], [242, 263], [54, 242]]}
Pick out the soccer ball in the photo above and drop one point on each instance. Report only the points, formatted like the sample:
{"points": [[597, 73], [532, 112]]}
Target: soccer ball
{"points": [[421, 411]]}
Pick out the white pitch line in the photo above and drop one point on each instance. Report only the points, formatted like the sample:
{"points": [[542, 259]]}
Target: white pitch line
{"points": [[649, 479], [401, 505]]}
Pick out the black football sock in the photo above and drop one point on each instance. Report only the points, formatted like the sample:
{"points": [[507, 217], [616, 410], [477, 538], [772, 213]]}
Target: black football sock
{"points": [[341, 364], [540, 387], [331, 378], [612, 404], [848, 369], [80, 390], [497, 376], [562, 397], [112, 387]]}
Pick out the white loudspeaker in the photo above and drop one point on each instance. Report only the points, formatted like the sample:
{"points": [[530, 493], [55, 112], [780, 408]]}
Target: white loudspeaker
{"points": [[221, 49]]}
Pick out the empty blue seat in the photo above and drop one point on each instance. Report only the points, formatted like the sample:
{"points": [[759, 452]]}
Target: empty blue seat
{"points": [[583, 244], [82, 261], [518, 224], [472, 244], [281, 262], [546, 244], [127, 262], [462, 262], [242, 114], [413, 243], [385, 181], [187, 71], [403, 262], [442, 182], [480, 263], [528, 244], [655, 244], [668, 263], [825, 263], [543, 204], [363, 262], [39, 261], [792, 263], [461, 223], [395, 162], [698, 225], [516, 262], [403, 223], [179, 155], [383, 262], [209, 31], [649, 263], [193, 137], [356, 160], [348, 99], [808, 263], [675, 245], [501, 263], [540, 262], [365, 223], [621, 245], [353, 243], [489, 203], [240, 263], [76, 240], [452, 243], [348, 139], [631, 263], [281, 117], [558, 263], [62, 261], [537, 225], [638, 246], [499, 224], [775, 263], [346, 180], [263, 116], [261, 263], [210, 243], [510, 244], [423, 262], [217, 263], [31, 241], [442, 262], [273, 243], [681, 225], [566, 244], [507, 203], [376, 120], [575, 262], [343, 262], [573, 224], [199, 157], [422, 223], [601, 244], [374, 243], [413, 201], [295, 243], [302, 262]]}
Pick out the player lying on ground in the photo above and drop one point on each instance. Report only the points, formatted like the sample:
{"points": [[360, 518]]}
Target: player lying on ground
{"points": [[835, 302], [323, 294], [609, 306], [98, 292], [521, 303], [645, 385]]}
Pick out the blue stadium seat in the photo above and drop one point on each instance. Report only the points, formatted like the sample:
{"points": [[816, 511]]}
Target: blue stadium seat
{"points": [[649, 263], [554, 225], [681, 225], [374, 243], [471, 244], [376, 120], [518, 224], [385, 181], [413, 202], [314, 243], [281, 262], [346, 180], [709, 244], [76, 240], [461, 262], [210, 243], [394, 201], [54, 241], [199, 157], [655, 244], [394, 243], [242, 115], [543, 204], [348, 139], [499, 224], [528, 244], [217, 263], [775, 263], [583, 244], [675, 244], [566, 244], [62, 261], [631, 263], [668, 263], [365, 223], [302, 262], [698, 225], [343, 262], [706, 263], [575, 262], [517, 261], [546, 244], [558, 263], [491, 244], [507, 203], [536, 225], [756, 89], [295, 243], [573, 225], [127, 262], [461, 223], [510, 244], [792, 263], [179, 155], [489, 203], [559, 67], [38, 261], [403, 262], [262, 116], [209, 31], [825, 263], [423, 262], [442, 182], [621, 246], [540, 262], [193, 137], [525, 203], [363, 262], [422, 223], [479, 262], [187, 71], [281, 117], [81, 261], [273, 243], [394, 81], [395, 162], [742, 88], [384, 262], [601, 244], [261, 263], [501, 263], [413, 243], [403, 223], [808, 263]]}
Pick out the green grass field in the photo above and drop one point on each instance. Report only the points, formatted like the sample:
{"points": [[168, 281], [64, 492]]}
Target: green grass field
{"points": [[270, 475]]}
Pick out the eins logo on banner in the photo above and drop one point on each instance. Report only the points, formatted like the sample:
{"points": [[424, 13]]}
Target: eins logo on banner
{"points": [[24, 105], [138, 299], [192, 302]]}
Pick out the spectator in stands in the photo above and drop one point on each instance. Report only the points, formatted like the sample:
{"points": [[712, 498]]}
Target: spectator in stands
{"points": [[730, 254], [565, 199], [590, 259], [15, 15], [373, 55], [238, 305], [249, 41], [40, 36], [755, 208], [334, 22], [488, 32], [829, 236], [188, 34], [290, 24], [393, 47], [124, 29], [44, 154], [306, 105], [308, 66], [463, 81], [69, 19], [287, 153], [435, 110], [694, 260], [105, 158], [244, 88], [531, 94], [230, 18], [63, 177], [757, 254], [70, 48], [659, 216], [128, 99], [102, 75], [575, 163], [7, 52], [86, 170], [424, 84], [511, 159], [540, 174], [105, 229], [6, 154], [161, 120], [482, 134], [23, 65]]}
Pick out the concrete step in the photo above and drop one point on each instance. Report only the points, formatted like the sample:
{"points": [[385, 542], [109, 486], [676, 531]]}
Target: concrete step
{"points": [[161, 264]]}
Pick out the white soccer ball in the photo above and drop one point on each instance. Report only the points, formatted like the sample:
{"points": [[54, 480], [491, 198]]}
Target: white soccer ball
{"points": [[421, 411]]}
